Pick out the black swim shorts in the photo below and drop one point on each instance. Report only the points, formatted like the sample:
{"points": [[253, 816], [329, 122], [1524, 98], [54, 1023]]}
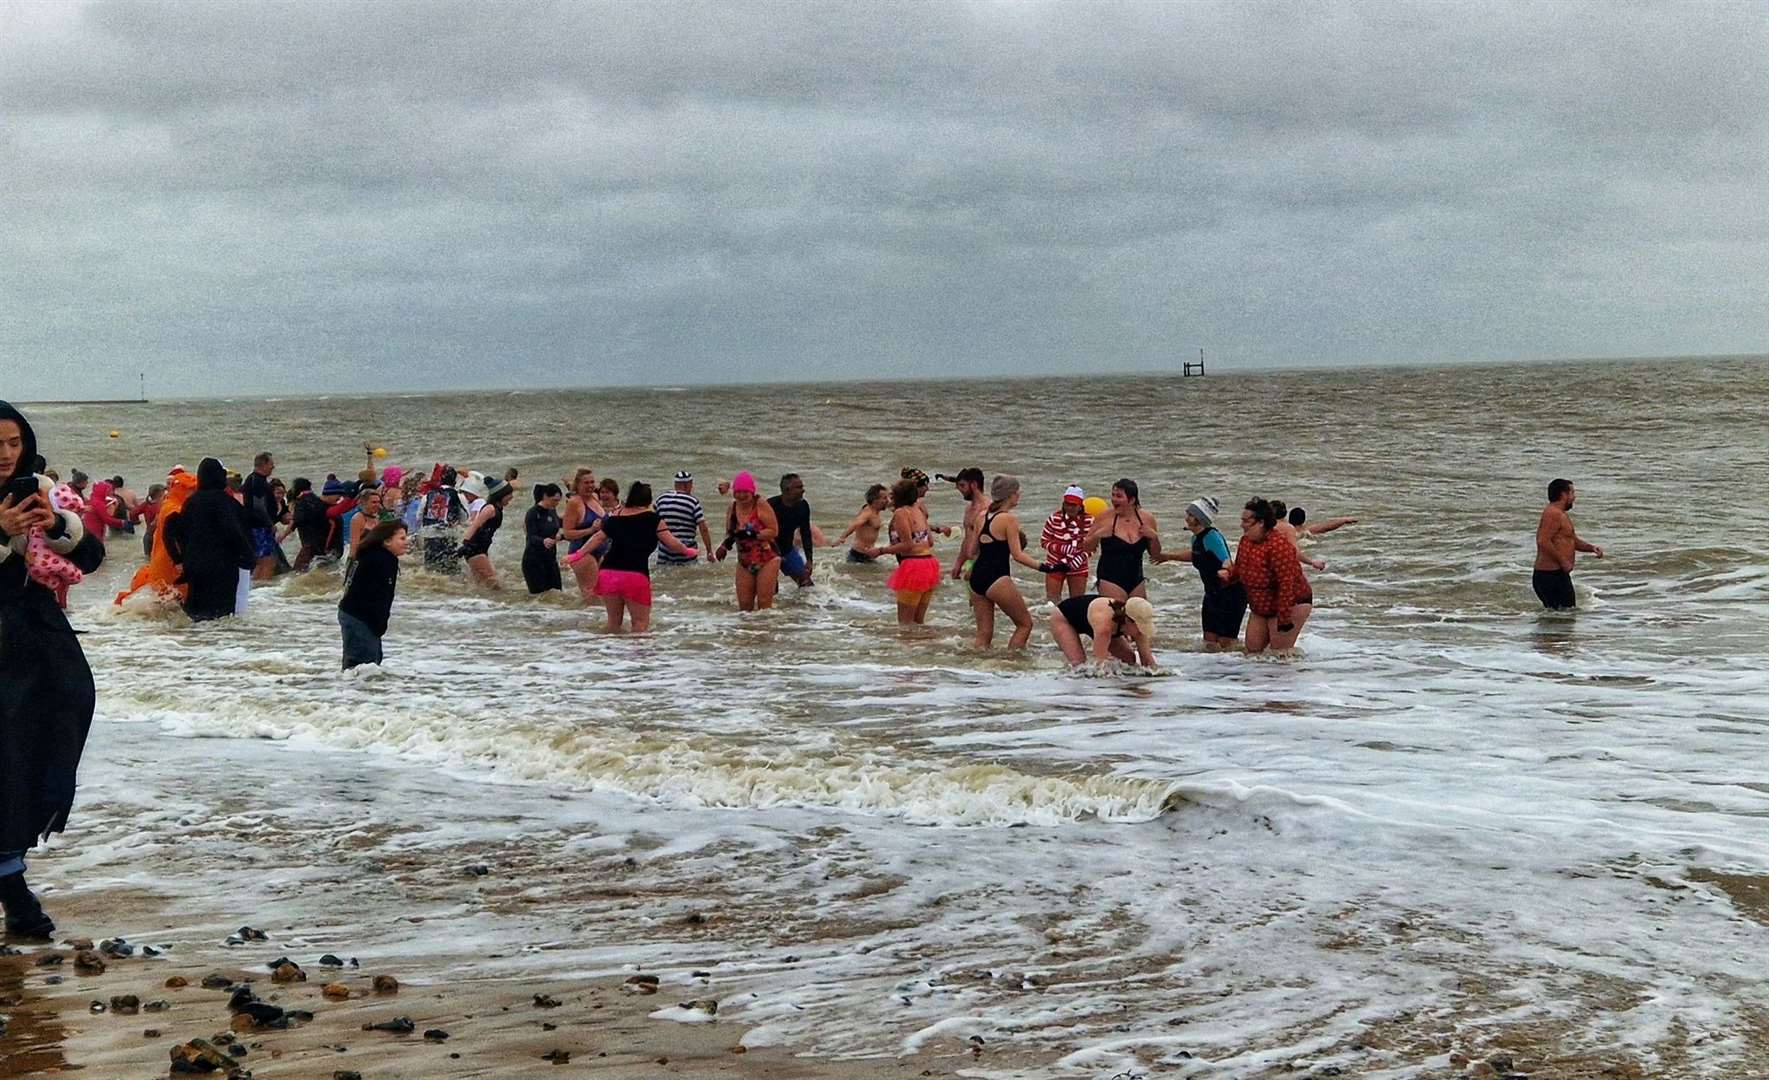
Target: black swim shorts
{"points": [[1554, 590]]}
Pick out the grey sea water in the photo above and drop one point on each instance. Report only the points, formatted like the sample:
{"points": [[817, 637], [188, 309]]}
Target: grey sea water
{"points": [[1449, 813]]}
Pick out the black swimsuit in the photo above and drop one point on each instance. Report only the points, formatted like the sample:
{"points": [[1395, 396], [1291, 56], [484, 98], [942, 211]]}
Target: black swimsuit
{"points": [[1074, 610], [990, 565], [480, 544], [1120, 561]]}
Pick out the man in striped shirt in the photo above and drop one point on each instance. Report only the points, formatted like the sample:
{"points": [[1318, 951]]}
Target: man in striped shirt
{"points": [[683, 516]]}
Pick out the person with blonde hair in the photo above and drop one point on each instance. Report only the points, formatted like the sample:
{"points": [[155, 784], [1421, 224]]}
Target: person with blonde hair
{"points": [[1121, 629], [1000, 544]]}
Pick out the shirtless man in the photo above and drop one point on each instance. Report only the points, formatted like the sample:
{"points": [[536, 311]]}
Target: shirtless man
{"points": [[1289, 532], [1556, 544], [866, 525], [969, 483]]}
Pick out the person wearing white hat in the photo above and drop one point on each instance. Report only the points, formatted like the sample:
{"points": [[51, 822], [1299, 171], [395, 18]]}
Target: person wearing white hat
{"points": [[1225, 604], [1065, 560]]}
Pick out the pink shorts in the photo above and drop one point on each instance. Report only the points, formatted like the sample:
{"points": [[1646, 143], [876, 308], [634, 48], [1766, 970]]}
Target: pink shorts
{"points": [[915, 575], [633, 587]]}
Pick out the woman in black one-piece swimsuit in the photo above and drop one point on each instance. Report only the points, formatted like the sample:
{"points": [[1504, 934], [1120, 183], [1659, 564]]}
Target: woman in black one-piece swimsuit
{"points": [[1123, 535], [991, 583]]}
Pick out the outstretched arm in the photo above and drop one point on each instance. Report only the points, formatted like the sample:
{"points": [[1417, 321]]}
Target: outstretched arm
{"points": [[1324, 527]]}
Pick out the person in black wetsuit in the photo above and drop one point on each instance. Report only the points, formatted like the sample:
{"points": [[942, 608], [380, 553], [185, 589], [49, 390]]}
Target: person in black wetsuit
{"points": [[1225, 605], [1123, 535], [540, 555], [311, 523], [207, 539], [1117, 627], [476, 545], [795, 542], [999, 544], [368, 594], [46, 690]]}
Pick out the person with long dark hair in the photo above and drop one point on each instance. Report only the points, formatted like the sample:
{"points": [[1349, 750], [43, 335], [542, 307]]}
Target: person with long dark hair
{"points": [[1123, 535], [47, 693], [207, 539], [368, 592]]}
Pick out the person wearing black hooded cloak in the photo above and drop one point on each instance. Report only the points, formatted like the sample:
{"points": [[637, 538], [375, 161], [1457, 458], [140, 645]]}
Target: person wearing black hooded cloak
{"points": [[46, 689], [207, 539]]}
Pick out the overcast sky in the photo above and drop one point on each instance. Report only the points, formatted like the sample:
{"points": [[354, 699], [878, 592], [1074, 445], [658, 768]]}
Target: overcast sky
{"points": [[389, 195]]}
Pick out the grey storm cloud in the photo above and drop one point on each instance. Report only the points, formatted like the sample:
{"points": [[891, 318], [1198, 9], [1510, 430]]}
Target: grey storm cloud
{"points": [[447, 195]]}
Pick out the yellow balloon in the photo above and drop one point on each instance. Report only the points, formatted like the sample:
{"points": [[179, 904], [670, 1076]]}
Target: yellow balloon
{"points": [[1094, 505], [115, 434], [380, 451]]}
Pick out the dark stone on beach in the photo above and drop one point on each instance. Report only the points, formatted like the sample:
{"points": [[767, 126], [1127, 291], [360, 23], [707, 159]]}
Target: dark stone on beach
{"points": [[328, 960], [88, 963], [224, 1039], [346, 1074], [52, 980], [549, 1027], [96, 1007], [177, 982], [386, 984], [116, 947], [8, 950], [50, 959], [557, 1057], [125, 1004], [642, 980], [700, 975], [216, 981], [545, 1001], [1501, 1062], [399, 1025], [262, 1014], [240, 998], [238, 1050], [478, 870], [151, 1033], [155, 1006], [246, 933], [695, 918], [149, 950], [198, 1056], [705, 1005], [436, 1034]]}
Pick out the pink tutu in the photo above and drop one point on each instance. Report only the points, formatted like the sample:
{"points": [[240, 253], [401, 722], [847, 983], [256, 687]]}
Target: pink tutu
{"points": [[915, 575], [629, 585]]}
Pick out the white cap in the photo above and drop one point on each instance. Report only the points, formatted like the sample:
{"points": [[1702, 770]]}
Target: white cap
{"points": [[1073, 491], [683, 476]]}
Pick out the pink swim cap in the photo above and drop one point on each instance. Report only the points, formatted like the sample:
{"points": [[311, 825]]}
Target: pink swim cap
{"points": [[744, 481]]}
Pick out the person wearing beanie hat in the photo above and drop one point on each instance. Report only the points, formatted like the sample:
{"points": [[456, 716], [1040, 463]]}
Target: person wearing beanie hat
{"points": [[476, 543], [1225, 603], [1065, 560], [1000, 543], [1120, 629]]}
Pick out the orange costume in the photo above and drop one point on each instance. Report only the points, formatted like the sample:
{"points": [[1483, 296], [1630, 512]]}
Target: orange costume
{"points": [[161, 573]]}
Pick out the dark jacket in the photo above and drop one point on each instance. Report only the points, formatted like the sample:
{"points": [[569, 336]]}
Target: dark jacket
{"points": [[208, 540], [46, 690]]}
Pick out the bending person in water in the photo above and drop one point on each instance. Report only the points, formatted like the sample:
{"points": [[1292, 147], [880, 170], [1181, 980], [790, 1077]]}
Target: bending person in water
{"points": [[866, 525], [1557, 547], [368, 592], [1123, 535], [1279, 598], [624, 582], [750, 531], [1124, 629], [918, 573], [1225, 604], [999, 544]]}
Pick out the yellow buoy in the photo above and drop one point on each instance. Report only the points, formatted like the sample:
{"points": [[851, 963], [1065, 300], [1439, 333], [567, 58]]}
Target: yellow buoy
{"points": [[1094, 505], [380, 451], [115, 434]]}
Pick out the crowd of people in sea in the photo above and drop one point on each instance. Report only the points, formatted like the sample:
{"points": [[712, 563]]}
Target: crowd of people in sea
{"points": [[208, 536]]}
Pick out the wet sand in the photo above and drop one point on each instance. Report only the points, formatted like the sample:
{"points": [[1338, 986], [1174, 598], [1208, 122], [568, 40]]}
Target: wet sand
{"points": [[494, 1027]]}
